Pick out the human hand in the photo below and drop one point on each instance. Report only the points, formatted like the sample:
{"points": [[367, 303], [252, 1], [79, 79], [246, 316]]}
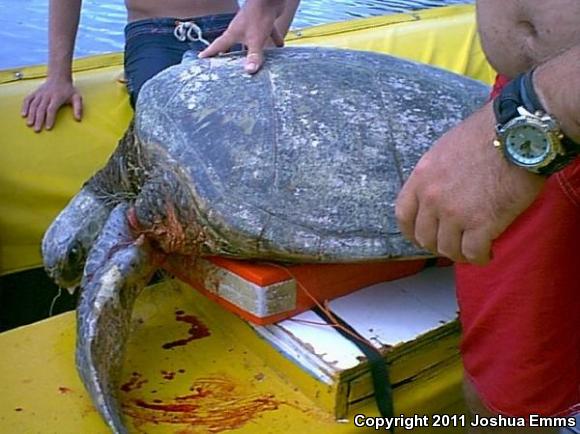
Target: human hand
{"points": [[463, 194], [40, 107], [252, 26]]}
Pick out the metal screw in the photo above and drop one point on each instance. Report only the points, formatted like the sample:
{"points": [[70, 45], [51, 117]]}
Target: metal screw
{"points": [[18, 75]]}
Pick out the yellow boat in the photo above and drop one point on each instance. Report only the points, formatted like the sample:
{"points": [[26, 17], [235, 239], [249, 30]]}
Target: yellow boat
{"points": [[232, 379]]}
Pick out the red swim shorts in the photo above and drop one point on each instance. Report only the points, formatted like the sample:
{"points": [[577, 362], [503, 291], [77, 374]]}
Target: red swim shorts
{"points": [[521, 313]]}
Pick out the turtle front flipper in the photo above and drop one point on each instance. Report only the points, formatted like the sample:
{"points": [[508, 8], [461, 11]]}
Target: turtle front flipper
{"points": [[117, 269]]}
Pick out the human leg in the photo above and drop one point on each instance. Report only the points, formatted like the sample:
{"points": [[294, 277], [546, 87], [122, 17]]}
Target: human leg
{"points": [[521, 313]]}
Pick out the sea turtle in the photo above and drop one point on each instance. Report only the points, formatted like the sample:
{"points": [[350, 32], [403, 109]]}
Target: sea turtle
{"points": [[301, 162]]}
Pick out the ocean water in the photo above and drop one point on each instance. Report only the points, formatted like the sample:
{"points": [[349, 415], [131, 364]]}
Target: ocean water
{"points": [[24, 23]]}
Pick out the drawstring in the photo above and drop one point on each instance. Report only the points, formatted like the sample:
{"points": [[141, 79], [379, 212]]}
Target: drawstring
{"points": [[184, 31]]}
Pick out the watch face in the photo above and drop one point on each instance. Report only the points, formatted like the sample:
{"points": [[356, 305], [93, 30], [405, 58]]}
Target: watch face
{"points": [[527, 144]]}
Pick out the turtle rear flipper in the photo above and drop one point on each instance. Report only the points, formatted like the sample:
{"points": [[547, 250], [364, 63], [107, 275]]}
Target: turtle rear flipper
{"points": [[116, 271]]}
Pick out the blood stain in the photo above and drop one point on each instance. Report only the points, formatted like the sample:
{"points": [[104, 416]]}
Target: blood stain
{"points": [[179, 408], [168, 375], [216, 404], [197, 330], [18, 409], [135, 382], [64, 390]]}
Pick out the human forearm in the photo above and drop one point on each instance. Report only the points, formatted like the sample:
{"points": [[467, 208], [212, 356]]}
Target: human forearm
{"points": [[63, 24], [557, 83]]}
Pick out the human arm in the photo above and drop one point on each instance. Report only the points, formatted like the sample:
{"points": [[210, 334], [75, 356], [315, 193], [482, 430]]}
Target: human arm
{"points": [[557, 83], [254, 24], [40, 107], [463, 193]]}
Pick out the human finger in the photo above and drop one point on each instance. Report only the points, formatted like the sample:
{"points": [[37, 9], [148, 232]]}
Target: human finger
{"points": [[40, 114], [426, 228], [51, 114], [254, 60], [77, 104], [406, 208], [449, 239], [26, 105], [219, 45], [277, 37], [32, 110], [476, 246]]}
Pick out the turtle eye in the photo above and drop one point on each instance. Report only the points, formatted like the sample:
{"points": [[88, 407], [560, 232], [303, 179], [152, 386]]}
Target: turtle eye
{"points": [[74, 264]]}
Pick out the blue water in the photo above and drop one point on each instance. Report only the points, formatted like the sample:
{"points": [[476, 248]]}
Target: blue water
{"points": [[23, 23]]}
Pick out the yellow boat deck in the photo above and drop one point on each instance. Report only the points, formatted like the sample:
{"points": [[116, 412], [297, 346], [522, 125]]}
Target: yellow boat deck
{"points": [[191, 366]]}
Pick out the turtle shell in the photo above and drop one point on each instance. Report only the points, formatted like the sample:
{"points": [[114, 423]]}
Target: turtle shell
{"points": [[304, 160]]}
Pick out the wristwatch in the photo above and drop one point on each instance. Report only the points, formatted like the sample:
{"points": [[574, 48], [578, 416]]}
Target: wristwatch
{"points": [[526, 134]]}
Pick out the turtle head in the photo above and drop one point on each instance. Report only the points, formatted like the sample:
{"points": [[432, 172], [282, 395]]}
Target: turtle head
{"points": [[67, 241]]}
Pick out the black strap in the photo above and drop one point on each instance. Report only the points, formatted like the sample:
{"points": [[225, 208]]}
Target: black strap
{"points": [[518, 92], [532, 103], [505, 105], [530, 99], [378, 366], [562, 161]]}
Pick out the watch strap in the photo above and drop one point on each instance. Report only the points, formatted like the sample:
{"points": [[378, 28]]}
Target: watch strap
{"points": [[517, 93], [505, 105], [561, 160], [530, 99]]}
